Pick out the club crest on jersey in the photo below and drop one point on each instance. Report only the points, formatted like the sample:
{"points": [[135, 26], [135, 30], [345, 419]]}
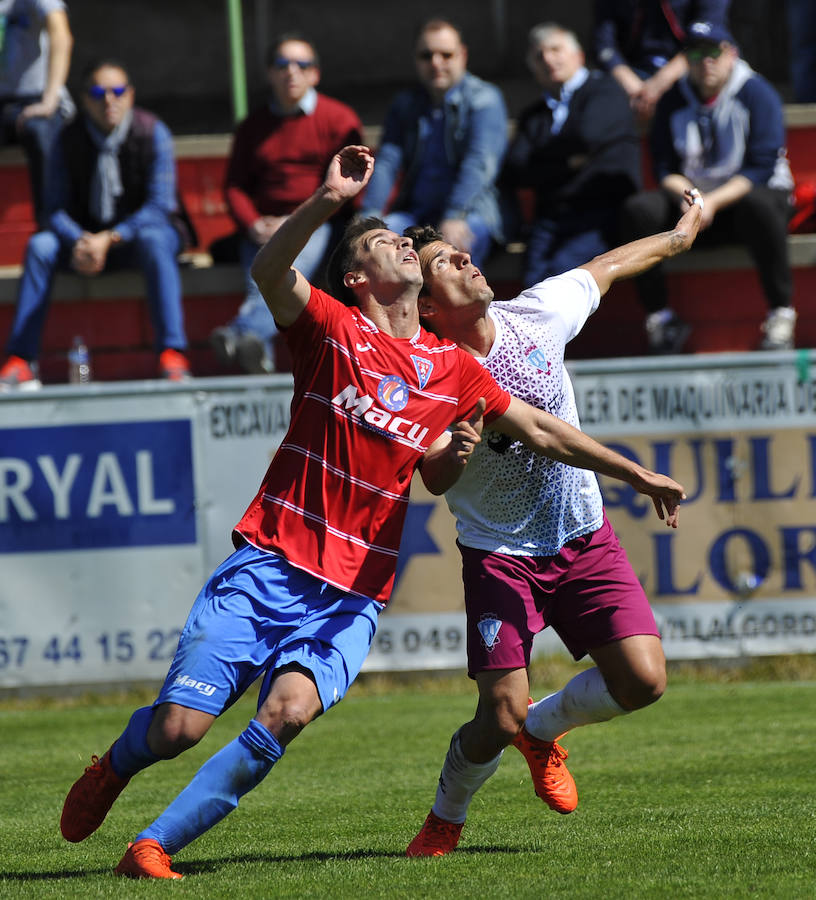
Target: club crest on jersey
{"points": [[423, 367], [489, 627], [536, 358]]}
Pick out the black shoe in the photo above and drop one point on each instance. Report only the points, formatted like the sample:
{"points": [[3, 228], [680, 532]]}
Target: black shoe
{"points": [[223, 342], [668, 335], [252, 355]]}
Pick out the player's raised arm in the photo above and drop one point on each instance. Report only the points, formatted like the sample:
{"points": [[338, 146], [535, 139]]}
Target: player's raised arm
{"points": [[635, 257], [554, 438], [285, 290]]}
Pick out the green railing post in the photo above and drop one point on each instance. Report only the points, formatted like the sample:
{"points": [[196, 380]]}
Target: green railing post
{"points": [[237, 62]]}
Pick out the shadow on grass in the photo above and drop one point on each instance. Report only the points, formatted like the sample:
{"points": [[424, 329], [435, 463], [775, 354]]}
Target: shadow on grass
{"points": [[213, 865], [198, 868]]}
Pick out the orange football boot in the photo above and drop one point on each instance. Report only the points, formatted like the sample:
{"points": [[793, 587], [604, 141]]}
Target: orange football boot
{"points": [[551, 778], [146, 859], [436, 837], [90, 798]]}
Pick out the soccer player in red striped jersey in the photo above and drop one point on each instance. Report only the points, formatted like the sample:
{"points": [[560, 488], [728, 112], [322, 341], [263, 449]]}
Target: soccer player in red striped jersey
{"points": [[297, 603]]}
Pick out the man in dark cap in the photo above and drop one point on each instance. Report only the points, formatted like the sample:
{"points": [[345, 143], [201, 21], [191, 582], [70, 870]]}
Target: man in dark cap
{"points": [[721, 130]]}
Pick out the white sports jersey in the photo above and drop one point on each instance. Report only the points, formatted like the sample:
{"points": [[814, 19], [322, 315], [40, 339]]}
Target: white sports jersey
{"points": [[509, 499]]}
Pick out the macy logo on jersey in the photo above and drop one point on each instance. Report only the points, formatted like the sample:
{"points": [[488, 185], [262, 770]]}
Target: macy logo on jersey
{"points": [[391, 393], [201, 686], [489, 627]]}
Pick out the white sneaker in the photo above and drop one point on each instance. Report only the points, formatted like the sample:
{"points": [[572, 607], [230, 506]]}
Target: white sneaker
{"points": [[778, 329]]}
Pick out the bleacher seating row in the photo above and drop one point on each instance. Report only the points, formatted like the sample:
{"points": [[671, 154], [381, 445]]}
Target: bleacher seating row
{"points": [[716, 291]]}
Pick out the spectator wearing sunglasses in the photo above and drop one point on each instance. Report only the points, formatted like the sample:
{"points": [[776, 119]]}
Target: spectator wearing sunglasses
{"points": [[35, 56], [720, 130], [280, 155], [640, 43], [442, 146], [114, 205]]}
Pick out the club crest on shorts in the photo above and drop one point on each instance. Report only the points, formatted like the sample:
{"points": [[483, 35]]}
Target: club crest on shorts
{"points": [[393, 393], [537, 359], [489, 627], [423, 367]]}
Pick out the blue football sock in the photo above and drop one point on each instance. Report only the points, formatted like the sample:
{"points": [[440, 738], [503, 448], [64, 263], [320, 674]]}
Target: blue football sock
{"points": [[216, 788], [130, 753]]}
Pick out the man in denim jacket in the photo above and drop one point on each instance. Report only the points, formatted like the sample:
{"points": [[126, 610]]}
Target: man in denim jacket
{"points": [[443, 142]]}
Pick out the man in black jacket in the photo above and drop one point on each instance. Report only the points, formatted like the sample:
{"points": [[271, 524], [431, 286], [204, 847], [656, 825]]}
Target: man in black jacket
{"points": [[576, 150], [114, 205]]}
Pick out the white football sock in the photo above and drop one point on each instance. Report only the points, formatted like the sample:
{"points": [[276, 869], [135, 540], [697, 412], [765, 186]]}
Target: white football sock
{"points": [[583, 700], [458, 782]]}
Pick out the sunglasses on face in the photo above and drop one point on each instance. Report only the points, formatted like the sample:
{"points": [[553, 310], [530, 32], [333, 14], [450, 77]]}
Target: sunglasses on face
{"points": [[710, 51], [428, 55], [97, 92], [283, 62]]}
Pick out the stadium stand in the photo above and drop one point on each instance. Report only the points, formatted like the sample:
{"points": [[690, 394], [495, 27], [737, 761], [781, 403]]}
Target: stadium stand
{"points": [[715, 291]]}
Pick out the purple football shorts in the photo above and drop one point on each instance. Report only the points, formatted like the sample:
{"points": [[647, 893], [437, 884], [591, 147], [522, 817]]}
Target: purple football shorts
{"points": [[588, 593]]}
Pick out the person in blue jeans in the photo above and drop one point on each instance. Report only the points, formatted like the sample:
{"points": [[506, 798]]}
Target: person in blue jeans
{"points": [[443, 143], [35, 57], [114, 206]]}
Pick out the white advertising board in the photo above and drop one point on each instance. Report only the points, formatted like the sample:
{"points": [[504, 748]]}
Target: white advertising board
{"points": [[117, 501]]}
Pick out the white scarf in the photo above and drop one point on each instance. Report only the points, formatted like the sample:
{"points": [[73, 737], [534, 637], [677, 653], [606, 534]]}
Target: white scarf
{"points": [[106, 183]]}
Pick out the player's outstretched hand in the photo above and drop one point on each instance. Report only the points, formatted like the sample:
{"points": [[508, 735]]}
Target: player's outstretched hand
{"points": [[466, 433], [349, 171], [689, 223], [666, 495]]}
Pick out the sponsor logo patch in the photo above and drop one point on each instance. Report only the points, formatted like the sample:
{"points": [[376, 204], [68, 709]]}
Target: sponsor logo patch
{"points": [[392, 392], [202, 687]]}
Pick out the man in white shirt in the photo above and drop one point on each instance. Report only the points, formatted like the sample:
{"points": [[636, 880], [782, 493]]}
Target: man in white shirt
{"points": [[537, 549]]}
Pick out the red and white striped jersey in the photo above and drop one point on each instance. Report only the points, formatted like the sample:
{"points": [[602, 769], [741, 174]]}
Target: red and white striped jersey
{"points": [[366, 406]]}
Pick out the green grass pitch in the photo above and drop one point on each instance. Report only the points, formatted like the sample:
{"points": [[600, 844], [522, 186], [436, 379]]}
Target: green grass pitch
{"points": [[707, 794]]}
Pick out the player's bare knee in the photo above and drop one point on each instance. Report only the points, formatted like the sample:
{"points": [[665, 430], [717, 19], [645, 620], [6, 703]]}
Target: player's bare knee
{"points": [[641, 688], [176, 729], [507, 719]]}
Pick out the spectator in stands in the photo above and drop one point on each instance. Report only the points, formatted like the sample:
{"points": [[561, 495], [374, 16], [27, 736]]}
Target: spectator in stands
{"points": [[577, 150], [280, 154], [802, 39], [640, 43], [441, 148], [35, 56], [115, 206], [719, 129]]}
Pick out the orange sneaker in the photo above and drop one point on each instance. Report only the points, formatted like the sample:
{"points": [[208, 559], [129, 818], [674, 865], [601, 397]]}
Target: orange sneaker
{"points": [[20, 374], [146, 859], [436, 837], [173, 365], [89, 799], [551, 778]]}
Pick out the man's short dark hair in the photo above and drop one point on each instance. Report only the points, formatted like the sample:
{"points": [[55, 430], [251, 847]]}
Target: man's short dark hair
{"points": [[285, 36], [344, 257], [102, 62], [436, 24]]}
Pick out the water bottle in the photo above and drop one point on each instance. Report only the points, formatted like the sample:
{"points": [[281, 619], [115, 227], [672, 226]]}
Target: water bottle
{"points": [[79, 362]]}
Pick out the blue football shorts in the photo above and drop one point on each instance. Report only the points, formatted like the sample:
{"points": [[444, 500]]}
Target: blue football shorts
{"points": [[258, 613]]}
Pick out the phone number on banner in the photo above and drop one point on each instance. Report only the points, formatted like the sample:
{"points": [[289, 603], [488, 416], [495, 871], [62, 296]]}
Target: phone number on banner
{"points": [[420, 641], [19, 652]]}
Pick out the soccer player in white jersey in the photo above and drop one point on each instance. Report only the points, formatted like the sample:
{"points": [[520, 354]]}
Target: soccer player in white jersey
{"points": [[537, 549], [316, 551]]}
